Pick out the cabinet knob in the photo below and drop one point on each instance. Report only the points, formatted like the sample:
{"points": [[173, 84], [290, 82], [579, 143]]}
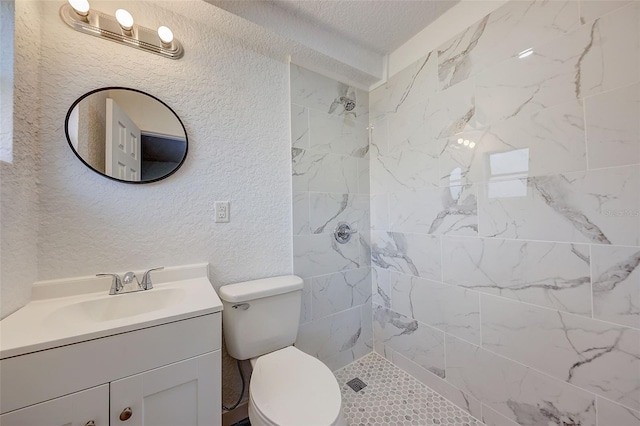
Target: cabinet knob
{"points": [[90, 423], [126, 414]]}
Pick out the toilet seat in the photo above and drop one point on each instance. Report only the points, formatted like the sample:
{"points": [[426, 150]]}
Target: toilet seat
{"points": [[291, 388]]}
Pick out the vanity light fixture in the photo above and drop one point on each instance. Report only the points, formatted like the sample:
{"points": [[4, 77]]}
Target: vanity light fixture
{"points": [[125, 20], [81, 7], [525, 53], [166, 35], [120, 28]]}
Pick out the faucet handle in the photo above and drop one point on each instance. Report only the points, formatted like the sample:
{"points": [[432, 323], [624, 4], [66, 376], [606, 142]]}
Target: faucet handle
{"points": [[116, 283], [146, 278]]}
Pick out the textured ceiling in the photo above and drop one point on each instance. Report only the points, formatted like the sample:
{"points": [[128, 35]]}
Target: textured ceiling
{"points": [[380, 26]]}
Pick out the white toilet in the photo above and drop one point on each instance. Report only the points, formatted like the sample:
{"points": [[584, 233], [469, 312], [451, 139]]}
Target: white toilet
{"points": [[288, 387]]}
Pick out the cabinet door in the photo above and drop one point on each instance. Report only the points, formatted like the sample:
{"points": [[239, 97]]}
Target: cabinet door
{"points": [[76, 409], [185, 393]]}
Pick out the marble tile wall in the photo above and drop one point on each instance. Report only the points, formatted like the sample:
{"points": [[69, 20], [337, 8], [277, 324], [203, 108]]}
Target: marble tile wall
{"points": [[330, 174], [505, 215]]}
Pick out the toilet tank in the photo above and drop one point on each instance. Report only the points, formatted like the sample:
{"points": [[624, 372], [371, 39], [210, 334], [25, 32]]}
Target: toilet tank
{"points": [[261, 316]]}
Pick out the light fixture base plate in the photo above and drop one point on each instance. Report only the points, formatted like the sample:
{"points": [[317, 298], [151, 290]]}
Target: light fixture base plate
{"points": [[104, 26]]}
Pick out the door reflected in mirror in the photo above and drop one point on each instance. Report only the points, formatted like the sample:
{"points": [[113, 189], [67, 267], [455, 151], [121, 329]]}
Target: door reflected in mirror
{"points": [[126, 135]]}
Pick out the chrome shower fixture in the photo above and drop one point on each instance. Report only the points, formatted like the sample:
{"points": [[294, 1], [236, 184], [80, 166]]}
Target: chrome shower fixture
{"points": [[349, 104]]}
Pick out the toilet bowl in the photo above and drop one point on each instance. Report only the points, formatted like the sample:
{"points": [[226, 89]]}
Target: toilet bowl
{"points": [[288, 387], [291, 388]]}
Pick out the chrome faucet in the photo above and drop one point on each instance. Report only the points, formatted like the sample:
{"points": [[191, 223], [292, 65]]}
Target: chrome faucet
{"points": [[146, 283], [117, 285]]}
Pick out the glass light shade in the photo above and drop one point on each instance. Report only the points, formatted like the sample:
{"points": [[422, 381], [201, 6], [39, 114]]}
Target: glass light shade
{"points": [[466, 142], [81, 7], [460, 141], [125, 19], [472, 145], [165, 34]]}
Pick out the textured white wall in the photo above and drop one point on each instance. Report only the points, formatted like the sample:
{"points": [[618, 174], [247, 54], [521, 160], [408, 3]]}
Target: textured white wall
{"points": [[18, 187], [234, 104]]}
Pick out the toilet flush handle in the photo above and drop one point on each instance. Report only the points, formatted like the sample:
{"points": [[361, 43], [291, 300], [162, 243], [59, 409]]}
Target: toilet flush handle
{"points": [[243, 306]]}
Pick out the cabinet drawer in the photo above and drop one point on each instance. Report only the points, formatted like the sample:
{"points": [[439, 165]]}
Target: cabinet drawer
{"points": [[76, 409], [40, 376]]}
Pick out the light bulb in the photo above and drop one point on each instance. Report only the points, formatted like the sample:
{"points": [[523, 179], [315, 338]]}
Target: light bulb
{"points": [[460, 141], [125, 19], [472, 144], [165, 34], [466, 142], [81, 7]]}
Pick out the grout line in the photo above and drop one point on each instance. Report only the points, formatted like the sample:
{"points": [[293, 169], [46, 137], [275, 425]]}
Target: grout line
{"points": [[593, 312], [497, 296]]}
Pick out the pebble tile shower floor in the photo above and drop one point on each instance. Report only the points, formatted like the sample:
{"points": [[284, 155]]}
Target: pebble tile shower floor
{"points": [[392, 397]]}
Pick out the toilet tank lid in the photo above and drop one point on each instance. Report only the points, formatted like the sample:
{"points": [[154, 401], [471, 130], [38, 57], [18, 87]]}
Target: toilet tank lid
{"points": [[257, 289]]}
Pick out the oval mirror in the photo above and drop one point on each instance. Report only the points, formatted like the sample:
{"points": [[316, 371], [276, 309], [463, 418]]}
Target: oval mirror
{"points": [[126, 135]]}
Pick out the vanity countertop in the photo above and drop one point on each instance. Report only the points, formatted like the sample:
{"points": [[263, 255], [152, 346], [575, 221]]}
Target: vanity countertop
{"points": [[64, 312]]}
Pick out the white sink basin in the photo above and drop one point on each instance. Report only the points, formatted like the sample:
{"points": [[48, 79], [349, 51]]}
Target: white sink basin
{"points": [[64, 312], [110, 308]]}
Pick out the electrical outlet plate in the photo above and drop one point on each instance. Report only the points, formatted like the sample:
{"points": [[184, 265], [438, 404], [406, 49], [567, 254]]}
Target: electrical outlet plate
{"points": [[222, 211]]}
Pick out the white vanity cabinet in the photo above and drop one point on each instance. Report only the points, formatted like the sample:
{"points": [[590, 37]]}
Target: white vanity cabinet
{"points": [[86, 408], [178, 380], [64, 364], [184, 393]]}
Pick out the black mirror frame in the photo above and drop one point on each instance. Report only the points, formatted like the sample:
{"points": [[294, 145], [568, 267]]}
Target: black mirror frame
{"points": [[77, 101]]}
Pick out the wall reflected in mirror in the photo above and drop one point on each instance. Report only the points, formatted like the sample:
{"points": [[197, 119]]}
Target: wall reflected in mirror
{"points": [[126, 135]]}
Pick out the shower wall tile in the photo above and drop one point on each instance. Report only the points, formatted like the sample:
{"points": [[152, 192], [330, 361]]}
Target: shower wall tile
{"points": [[299, 127], [515, 391], [406, 88], [305, 309], [491, 417], [545, 142], [452, 111], [363, 176], [322, 93], [613, 128], [381, 287], [616, 284], [341, 291], [440, 211], [338, 135], [599, 206], [330, 180], [418, 342], [554, 275], [537, 218], [592, 9], [300, 213], [616, 415], [502, 34], [597, 356], [414, 254], [597, 57], [379, 212], [336, 340], [322, 172], [327, 210], [453, 394], [320, 254], [364, 239], [450, 309], [409, 166], [378, 137]]}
